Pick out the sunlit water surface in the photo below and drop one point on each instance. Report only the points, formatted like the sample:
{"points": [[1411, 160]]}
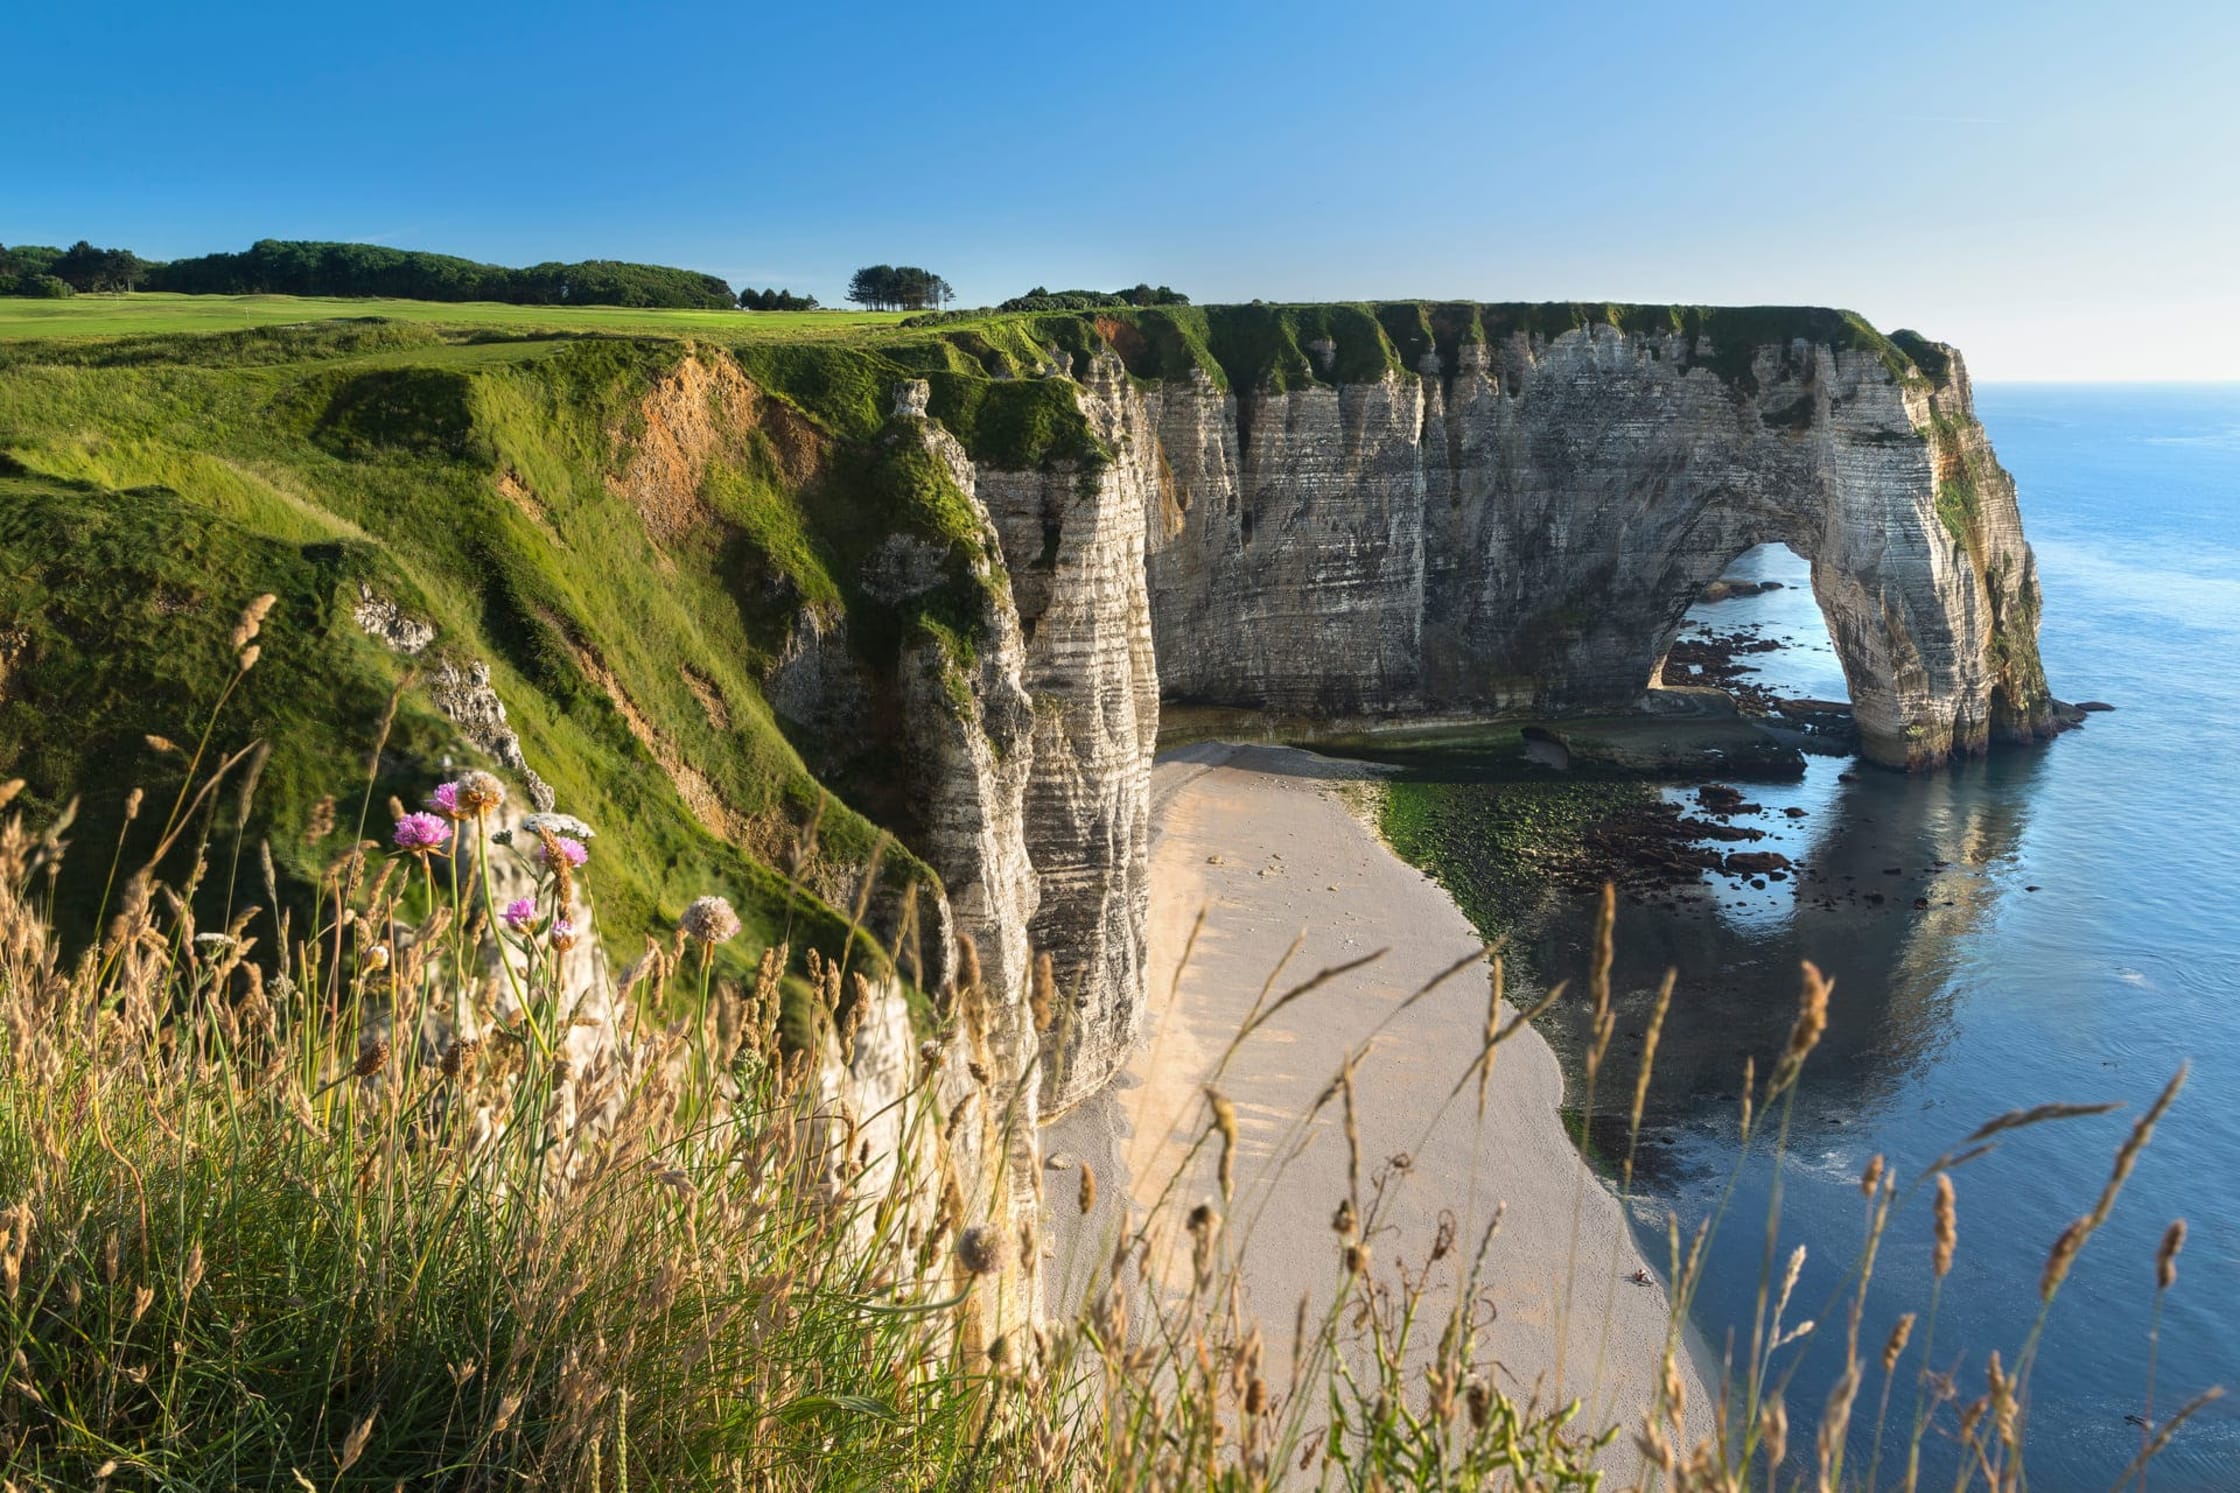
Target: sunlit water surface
{"points": [[2046, 925]]}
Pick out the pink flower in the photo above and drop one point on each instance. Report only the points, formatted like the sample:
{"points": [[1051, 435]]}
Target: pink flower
{"points": [[571, 851], [421, 832], [520, 913], [563, 934], [445, 801]]}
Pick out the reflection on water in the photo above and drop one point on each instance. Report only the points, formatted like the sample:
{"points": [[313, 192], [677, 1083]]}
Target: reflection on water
{"points": [[1892, 873], [2051, 925]]}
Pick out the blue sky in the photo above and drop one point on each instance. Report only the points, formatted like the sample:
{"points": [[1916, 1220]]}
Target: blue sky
{"points": [[2050, 186]]}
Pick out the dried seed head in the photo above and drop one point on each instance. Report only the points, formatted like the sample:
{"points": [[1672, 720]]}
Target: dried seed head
{"points": [[2127, 1155], [1225, 1123], [1897, 1343], [1042, 995], [479, 793], [458, 1058], [1356, 1259], [372, 1058], [354, 1445], [968, 963], [2166, 1257], [983, 1249], [1871, 1178], [2003, 1402], [709, 921], [1812, 1021], [1479, 1398], [1948, 1225], [1343, 1223], [2062, 1256], [252, 619], [1773, 1430], [1088, 1188]]}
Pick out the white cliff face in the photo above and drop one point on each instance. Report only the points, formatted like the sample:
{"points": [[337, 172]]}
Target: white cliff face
{"points": [[1074, 545], [1514, 525], [1526, 529], [969, 732], [1522, 527]]}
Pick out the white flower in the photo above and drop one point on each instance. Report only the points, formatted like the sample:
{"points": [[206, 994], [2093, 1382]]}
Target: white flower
{"points": [[567, 826]]}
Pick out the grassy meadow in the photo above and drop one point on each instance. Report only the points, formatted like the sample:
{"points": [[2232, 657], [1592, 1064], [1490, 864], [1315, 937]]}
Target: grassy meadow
{"points": [[152, 313]]}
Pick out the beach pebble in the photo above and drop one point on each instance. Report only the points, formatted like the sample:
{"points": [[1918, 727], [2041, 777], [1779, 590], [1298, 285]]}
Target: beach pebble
{"points": [[1059, 1161]]}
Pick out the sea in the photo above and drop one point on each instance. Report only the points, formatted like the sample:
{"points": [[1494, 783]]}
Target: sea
{"points": [[2051, 924]]}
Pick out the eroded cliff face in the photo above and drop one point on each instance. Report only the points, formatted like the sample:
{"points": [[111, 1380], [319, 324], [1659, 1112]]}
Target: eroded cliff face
{"points": [[1516, 518], [964, 730], [1074, 544], [1524, 524], [1518, 524]]}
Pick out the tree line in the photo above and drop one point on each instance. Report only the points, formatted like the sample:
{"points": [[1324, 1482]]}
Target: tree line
{"points": [[310, 268], [887, 287], [775, 300], [40, 270], [303, 268], [289, 267]]}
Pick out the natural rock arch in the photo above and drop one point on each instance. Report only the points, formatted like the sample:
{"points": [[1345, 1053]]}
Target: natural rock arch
{"points": [[1517, 525], [1523, 529]]}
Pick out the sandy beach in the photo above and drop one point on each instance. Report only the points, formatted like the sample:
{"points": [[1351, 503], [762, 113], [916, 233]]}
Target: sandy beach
{"points": [[1262, 839]]}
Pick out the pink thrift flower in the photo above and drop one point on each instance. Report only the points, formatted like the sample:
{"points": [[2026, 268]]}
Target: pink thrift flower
{"points": [[520, 913], [445, 801], [418, 832], [571, 851]]}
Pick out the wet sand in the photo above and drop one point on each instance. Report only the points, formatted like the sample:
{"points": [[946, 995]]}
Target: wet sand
{"points": [[1261, 838]]}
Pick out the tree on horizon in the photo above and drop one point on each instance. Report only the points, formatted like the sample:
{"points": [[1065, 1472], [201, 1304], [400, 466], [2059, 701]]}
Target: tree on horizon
{"points": [[886, 287]]}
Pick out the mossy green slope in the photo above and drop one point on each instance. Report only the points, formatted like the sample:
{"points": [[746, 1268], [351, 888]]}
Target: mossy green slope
{"points": [[478, 469], [155, 485]]}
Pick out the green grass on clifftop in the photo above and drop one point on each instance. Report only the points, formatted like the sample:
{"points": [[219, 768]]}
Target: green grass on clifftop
{"points": [[146, 313], [156, 487], [491, 468]]}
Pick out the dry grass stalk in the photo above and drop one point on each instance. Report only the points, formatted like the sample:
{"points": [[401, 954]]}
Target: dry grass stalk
{"points": [[1948, 1226], [2166, 1255]]}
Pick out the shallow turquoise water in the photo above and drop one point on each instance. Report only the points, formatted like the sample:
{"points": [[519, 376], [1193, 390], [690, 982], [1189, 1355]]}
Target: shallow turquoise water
{"points": [[2077, 943]]}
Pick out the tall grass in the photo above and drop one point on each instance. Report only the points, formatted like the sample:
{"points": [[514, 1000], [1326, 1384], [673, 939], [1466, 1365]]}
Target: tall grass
{"points": [[366, 1194]]}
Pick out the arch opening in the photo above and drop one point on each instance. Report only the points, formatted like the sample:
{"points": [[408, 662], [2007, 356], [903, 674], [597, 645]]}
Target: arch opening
{"points": [[1758, 633]]}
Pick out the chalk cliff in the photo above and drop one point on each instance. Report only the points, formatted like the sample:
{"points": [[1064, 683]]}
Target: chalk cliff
{"points": [[1479, 512], [1521, 524]]}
